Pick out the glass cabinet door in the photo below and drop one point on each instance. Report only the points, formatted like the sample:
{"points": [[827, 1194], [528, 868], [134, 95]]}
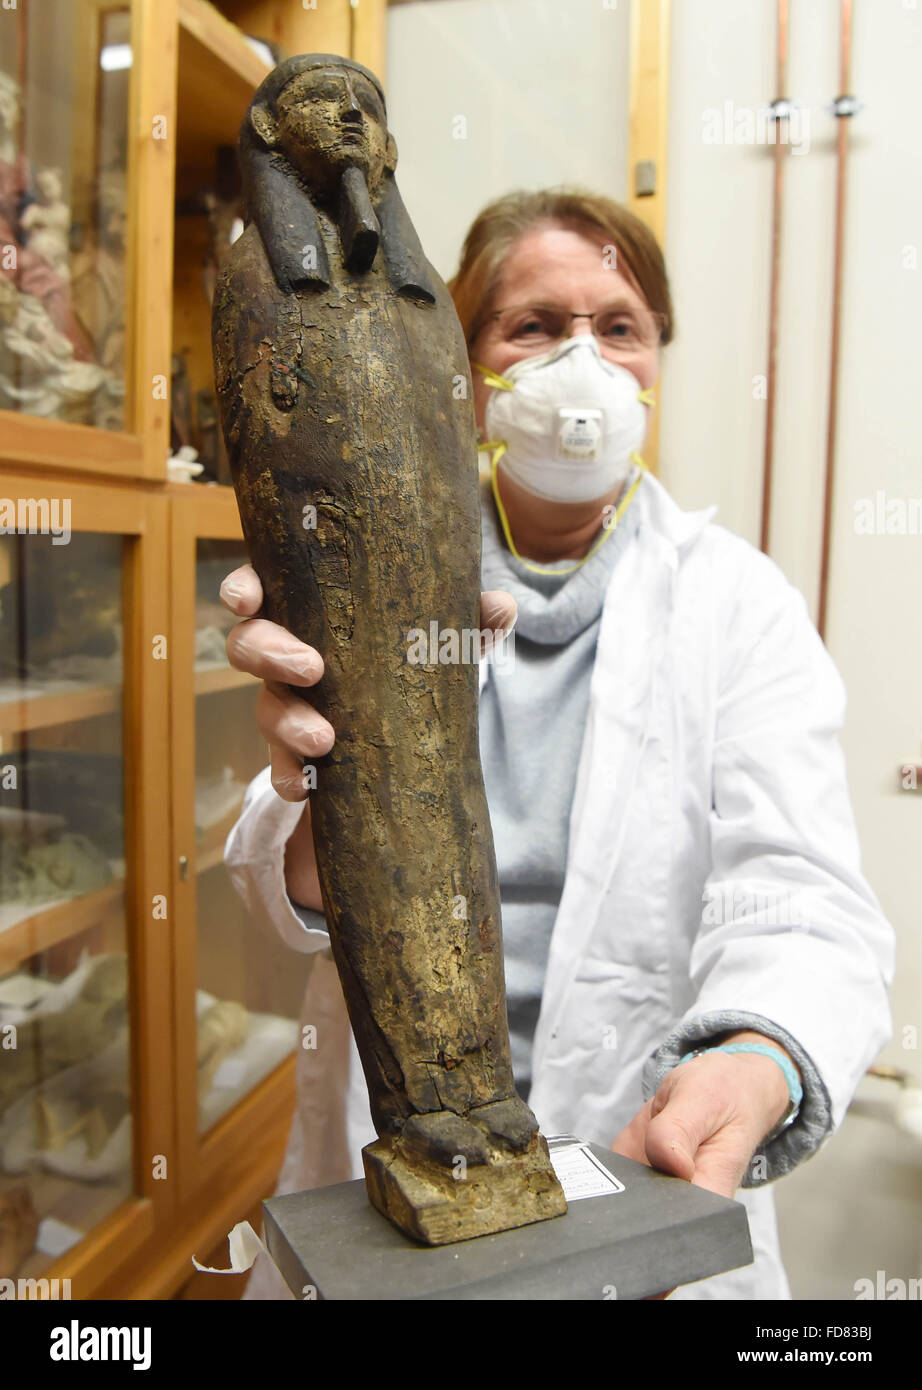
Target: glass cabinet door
{"points": [[65, 72], [250, 986], [65, 1093]]}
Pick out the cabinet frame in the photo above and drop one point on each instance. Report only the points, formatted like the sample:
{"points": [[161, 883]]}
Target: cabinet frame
{"points": [[141, 449], [141, 518], [190, 64], [203, 1159]]}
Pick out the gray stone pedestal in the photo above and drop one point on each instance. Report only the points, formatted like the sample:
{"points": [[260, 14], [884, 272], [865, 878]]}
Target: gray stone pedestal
{"points": [[658, 1233]]}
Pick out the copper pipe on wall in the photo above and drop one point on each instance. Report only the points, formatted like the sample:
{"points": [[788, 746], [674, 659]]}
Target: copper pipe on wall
{"points": [[781, 145], [778, 207], [844, 107]]}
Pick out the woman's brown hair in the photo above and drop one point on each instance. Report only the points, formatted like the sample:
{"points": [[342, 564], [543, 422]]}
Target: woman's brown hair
{"points": [[496, 229]]}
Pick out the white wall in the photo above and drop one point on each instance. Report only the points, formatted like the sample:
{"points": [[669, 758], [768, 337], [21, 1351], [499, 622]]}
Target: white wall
{"points": [[857, 1206], [717, 215], [542, 87]]}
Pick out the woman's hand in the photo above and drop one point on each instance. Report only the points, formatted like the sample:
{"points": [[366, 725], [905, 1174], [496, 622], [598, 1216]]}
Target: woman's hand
{"points": [[293, 729], [709, 1116]]}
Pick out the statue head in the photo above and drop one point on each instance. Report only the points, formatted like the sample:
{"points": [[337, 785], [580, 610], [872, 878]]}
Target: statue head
{"points": [[316, 133], [325, 114]]}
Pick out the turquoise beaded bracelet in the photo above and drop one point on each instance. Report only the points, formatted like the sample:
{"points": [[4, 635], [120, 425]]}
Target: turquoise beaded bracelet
{"points": [[795, 1090]]}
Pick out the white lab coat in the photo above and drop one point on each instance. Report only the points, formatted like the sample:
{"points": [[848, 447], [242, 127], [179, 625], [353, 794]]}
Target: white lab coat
{"points": [[713, 866]]}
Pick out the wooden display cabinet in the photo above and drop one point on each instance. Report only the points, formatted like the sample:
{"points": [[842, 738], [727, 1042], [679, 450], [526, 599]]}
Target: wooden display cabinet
{"points": [[63, 738], [142, 1127], [216, 751]]}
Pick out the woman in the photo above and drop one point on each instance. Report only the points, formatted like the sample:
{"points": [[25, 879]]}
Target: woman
{"points": [[677, 858]]}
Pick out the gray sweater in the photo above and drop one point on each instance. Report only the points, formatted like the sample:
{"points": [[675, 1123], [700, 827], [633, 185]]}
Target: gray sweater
{"points": [[532, 719]]}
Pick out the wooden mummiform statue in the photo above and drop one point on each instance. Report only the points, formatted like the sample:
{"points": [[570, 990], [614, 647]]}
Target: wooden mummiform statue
{"points": [[345, 400]]}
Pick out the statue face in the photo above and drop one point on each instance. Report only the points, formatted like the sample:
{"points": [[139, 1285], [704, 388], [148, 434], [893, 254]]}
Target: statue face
{"points": [[328, 119]]}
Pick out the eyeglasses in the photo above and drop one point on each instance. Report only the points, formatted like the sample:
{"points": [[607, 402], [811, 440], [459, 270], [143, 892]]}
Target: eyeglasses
{"points": [[622, 329]]}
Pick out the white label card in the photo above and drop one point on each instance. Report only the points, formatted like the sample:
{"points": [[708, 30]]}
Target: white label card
{"points": [[581, 1174]]}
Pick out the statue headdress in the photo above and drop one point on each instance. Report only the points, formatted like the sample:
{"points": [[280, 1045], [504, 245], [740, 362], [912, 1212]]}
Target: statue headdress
{"points": [[276, 200]]}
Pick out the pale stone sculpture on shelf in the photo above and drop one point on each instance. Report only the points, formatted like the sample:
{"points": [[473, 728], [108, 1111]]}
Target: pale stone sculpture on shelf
{"points": [[46, 222]]}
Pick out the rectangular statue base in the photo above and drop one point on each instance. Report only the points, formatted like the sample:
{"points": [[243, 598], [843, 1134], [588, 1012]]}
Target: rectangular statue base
{"points": [[429, 1204], [660, 1232]]}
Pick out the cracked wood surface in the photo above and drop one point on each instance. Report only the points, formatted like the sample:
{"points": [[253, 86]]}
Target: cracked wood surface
{"points": [[344, 398]]}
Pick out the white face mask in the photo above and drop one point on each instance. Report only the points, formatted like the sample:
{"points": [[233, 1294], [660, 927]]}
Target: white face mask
{"points": [[571, 422]]}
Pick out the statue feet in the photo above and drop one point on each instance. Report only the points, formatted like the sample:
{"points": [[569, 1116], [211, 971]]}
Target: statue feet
{"points": [[448, 1177], [508, 1123]]}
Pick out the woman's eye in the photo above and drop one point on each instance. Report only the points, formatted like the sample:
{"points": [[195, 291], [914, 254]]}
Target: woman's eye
{"points": [[529, 328]]}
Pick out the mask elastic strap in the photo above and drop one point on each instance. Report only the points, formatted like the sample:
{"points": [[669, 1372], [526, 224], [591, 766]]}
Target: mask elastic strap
{"points": [[501, 383], [497, 448], [647, 396]]}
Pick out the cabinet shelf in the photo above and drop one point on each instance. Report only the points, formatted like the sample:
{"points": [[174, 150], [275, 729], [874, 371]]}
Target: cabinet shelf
{"points": [[49, 925], [32, 440], [210, 859], [221, 51], [80, 1205], [25, 713], [209, 851], [210, 679], [218, 73]]}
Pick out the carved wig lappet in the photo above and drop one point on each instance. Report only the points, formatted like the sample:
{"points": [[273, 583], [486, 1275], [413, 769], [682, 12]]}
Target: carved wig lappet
{"points": [[345, 398]]}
